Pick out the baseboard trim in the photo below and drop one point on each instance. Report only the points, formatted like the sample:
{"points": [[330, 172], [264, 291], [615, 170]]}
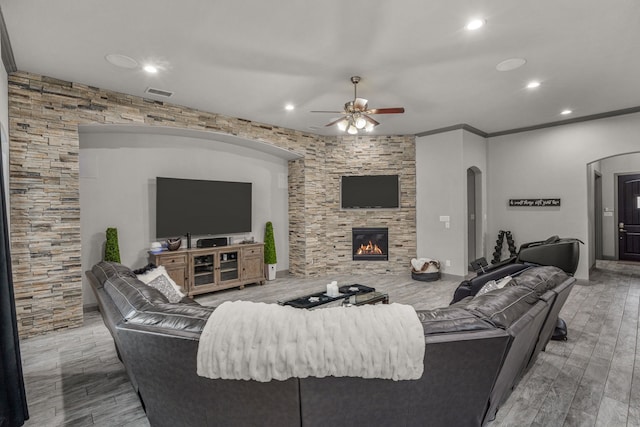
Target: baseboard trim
{"points": [[282, 273], [452, 277], [88, 308]]}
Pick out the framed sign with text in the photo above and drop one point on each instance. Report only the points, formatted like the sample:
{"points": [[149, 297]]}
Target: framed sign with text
{"points": [[529, 203]]}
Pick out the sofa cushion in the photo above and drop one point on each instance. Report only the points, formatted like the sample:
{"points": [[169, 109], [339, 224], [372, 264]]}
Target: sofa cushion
{"points": [[502, 307], [450, 319], [105, 269], [130, 295], [541, 279], [183, 317]]}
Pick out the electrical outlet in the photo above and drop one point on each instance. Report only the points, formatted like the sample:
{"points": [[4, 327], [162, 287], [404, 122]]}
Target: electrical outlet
{"points": [[447, 263]]}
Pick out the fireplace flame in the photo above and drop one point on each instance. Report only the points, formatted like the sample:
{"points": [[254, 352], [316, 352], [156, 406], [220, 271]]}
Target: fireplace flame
{"points": [[369, 249]]}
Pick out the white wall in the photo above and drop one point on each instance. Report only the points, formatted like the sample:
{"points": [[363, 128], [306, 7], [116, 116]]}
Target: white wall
{"points": [[475, 155], [552, 162], [442, 161], [117, 189], [610, 168]]}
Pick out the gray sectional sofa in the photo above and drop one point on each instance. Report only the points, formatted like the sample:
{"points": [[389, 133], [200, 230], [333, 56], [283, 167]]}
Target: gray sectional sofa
{"points": [[475, 353]]}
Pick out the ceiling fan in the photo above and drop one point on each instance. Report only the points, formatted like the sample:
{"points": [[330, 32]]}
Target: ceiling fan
{"points": [[357, 113]]}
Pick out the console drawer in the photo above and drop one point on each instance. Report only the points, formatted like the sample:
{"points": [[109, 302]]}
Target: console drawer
{"points": [[252, 251], [168, 260]]}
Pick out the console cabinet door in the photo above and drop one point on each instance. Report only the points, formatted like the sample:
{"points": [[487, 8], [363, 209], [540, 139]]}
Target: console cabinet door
{"points": [[253, 265], [176, 266], [179, 275], [203, 274], [228, 267]]}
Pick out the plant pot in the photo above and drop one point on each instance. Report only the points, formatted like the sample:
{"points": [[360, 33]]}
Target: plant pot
{"points": [[270, 271]]}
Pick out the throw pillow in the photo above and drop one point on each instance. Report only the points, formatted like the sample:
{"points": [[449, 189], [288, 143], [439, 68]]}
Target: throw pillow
{"points": [[162, 284], [159, 271], [492, 285]]}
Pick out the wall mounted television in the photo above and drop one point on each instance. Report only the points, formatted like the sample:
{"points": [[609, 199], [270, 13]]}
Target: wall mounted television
{"points": [[201, 207], [370, 192]]}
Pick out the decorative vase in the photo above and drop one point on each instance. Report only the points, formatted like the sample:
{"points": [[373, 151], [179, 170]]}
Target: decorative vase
{"points": [[174, 244]]}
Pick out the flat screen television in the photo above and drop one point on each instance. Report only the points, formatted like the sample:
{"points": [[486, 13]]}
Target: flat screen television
{"points": [[370, 192], [201, 207]]}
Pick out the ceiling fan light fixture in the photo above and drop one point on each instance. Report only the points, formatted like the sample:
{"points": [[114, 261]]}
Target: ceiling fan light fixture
{"points": [[357, 114]]}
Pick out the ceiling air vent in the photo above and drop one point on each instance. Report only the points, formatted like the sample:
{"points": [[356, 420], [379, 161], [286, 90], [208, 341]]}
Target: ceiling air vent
{"points": [[158, 92]]}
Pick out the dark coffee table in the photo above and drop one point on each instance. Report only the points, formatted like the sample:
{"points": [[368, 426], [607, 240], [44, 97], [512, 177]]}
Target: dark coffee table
{"points": [[321, 298], [366, 298]]}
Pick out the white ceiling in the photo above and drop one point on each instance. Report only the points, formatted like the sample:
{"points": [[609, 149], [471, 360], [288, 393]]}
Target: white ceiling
{"points": [[248, 59]]}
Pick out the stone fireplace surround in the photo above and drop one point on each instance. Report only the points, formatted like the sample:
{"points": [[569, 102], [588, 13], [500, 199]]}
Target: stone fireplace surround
{"points": [[44, 115]]}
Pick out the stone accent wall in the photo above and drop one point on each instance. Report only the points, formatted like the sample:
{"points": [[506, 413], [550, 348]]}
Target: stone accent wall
{"points": [[44, 115], [362, 155]]}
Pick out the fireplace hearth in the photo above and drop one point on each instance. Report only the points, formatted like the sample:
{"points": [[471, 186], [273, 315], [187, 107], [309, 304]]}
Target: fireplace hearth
{"points": [[370, 244]]}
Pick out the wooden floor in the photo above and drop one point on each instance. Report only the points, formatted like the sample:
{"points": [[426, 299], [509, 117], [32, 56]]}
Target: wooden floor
{"points": [[74, 378]]}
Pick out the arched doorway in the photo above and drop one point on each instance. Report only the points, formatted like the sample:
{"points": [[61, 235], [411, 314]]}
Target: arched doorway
{"points": [[603, 203]]}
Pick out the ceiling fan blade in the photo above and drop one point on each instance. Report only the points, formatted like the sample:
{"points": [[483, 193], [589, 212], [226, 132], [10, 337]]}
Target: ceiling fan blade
{"points": [[370, 120], [332, 112], [397, 110], [335, 122], [360, 104]]}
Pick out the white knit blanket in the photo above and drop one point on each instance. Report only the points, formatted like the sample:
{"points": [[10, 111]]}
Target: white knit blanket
{"points": [[257, 341]]}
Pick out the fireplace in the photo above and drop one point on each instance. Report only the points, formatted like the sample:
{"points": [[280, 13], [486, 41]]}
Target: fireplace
{"points": [[370, 244]]}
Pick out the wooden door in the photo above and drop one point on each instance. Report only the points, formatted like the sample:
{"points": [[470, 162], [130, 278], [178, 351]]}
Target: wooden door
{"points": [[629, 217], [253, 265]]}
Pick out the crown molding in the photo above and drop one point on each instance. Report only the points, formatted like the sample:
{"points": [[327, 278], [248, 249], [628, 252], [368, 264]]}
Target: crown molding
{"points": [[568, 121], [462, 126], [483, 134], [7, 52]]}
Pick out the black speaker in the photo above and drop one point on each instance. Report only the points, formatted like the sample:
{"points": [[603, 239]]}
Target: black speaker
{"points": [[210, 243]]}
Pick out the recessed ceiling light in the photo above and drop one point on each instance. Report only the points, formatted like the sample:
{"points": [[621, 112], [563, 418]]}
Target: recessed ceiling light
{"points": [[121, 61], [511, 64], [566, 112], [533, 84], [474, 24], [289, 107], [150, 69]]}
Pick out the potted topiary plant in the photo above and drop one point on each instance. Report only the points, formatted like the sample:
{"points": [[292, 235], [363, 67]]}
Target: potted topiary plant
{"points": [[270, 258], [111, 248]]}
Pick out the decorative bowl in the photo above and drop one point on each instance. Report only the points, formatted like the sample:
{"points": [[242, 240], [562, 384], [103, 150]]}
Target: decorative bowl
{"points": [[174, 244]]}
